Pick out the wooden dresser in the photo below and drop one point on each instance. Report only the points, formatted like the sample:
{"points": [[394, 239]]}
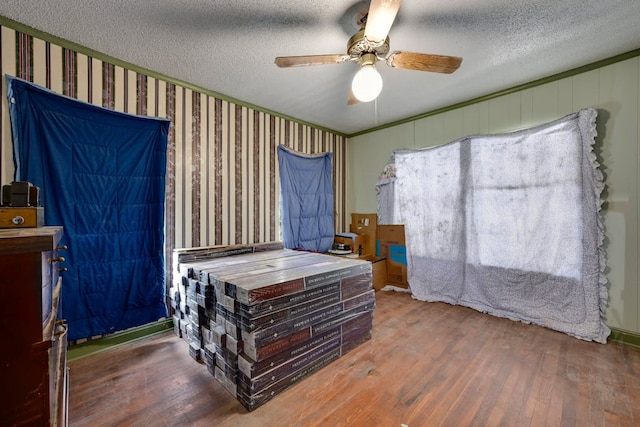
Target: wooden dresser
{"points": [[33, 371]]}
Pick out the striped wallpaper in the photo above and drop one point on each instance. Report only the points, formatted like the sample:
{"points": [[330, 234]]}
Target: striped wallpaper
{"points": [[222, 170]]}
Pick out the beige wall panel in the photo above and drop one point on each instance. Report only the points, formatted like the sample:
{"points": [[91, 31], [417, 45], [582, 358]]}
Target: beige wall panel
{"points": [[585, 92], [82, 64], [470, 119], [526, 108], [302, 142], [341, 197], [431, 134], [299, 137], [132, 96], [186, 111], [304, 138], [276, 196], [151, 97], [515, 112], [263, 213], [297, 142], [338, 180], [118, 81], [162, 99], [225, 174], [500, 120], [618, 93], [267, 177], [56, 68], [96, 78], [231, 176], [326, 142], [339, 215], [309, 134], [545, 103], [204, 171], [453, 125], [211, 199], [483, 117], [368, 155], [404, 136], [366, 162], [293, 139], [249, 199], [8, 50], [39, 62], [242, 173], [180, 241], [616, 230], [565, 97], [317, 140]]}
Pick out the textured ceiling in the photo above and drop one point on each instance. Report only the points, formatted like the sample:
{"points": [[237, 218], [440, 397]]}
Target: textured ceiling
{"points": [[229, 47]]}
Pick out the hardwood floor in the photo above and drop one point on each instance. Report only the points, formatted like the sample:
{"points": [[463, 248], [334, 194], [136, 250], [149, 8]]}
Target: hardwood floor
{"points": [[428, 364]]}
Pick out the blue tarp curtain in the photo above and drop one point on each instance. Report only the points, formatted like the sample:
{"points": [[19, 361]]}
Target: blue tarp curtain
{"points": [[307, 200], [102, 176]]}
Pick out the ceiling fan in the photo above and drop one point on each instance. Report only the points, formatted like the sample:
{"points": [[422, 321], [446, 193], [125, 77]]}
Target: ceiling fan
{"points": [[368, 46]]}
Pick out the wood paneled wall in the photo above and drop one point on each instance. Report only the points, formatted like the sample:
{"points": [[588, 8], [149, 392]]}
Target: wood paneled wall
{"points": [[222, 177]]}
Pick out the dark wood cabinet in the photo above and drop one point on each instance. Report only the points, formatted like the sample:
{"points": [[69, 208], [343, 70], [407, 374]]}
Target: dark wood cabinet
{"points": [[33, 372]]}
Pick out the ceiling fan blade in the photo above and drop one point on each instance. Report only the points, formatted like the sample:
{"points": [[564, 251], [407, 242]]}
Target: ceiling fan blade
{"points": [[301, 61], [352, 100], [380, 18], [424, 62]]}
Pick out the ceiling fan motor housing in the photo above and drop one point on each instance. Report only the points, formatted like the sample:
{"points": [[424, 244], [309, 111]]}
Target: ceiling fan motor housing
{"points": [[359, 45]]}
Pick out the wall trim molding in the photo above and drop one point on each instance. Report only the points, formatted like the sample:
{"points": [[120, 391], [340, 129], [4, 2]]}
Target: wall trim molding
{"points": [[625, 337], [106, 342]]}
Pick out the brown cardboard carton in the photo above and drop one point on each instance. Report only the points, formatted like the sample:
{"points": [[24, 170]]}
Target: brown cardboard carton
{"points": [[391, 245], [365, 224], [378, 270]]}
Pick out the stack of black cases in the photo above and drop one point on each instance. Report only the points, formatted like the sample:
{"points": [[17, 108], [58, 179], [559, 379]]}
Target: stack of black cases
{"points": [[263, 318]]}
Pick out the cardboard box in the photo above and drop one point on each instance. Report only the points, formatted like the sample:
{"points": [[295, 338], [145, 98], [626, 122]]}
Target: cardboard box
{"points": [[391, 245], [378, 270], [354, 241], [365, 224]]}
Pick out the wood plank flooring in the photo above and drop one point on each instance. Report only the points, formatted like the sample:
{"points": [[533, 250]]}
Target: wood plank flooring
{"points": [[428, 364]]}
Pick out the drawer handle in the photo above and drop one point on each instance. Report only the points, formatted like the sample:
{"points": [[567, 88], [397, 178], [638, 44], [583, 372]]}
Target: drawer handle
{"points": [[63, 247], [58, 259]]}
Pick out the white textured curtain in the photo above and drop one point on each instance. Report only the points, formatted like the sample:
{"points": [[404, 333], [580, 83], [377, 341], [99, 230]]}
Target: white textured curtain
{"points": [[507, 224]]}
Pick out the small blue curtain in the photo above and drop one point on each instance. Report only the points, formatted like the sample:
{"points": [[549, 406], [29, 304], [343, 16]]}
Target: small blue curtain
{"points": [[101, 175], [307, 200]]}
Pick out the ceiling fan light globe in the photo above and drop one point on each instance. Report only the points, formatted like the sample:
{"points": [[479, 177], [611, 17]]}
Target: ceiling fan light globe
{"points": [[367, 84]]}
